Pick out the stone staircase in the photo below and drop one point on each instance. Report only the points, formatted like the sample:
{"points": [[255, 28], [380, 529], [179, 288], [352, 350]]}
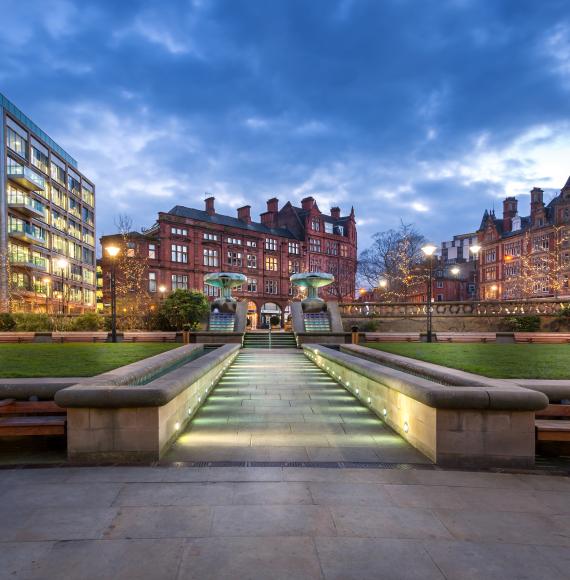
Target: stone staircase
{"points": [[261, 340]]}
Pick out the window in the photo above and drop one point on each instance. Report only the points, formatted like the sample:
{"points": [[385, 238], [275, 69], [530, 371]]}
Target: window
{"points": [[294, 248], [339, 230], [271, 263], [211, 290], [179, 282], [252, 284], [294, 267], [540, 243], [73, 183], [331, 248], [17, 142], [328, 228], [210, 257], [343, 251], [251, 261], [179, 253], [74, 207], [490, 274], [235, 259], [87, 194], [57, 170], [179, 231], [152, 251], [58, 197], [490, 256], [439, 284], [211, 237], [271, 287], [512, 249], [270, 244], [314, 244], [74, 229], [58, 221], [316, 225], [235, 241], [39, 156], [251, 244], [314, 265], [440, 297]]}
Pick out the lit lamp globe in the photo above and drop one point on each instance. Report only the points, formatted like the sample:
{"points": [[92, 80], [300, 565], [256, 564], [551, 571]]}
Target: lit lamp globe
{"points": [[475, 249], [62, 263], [113, 251], [383, 283], [455, 270], [429, 249]]}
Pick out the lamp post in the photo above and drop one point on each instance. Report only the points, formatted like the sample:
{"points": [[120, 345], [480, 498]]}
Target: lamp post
{"points": [[475, 249], [455, 271], [383, 284], [162, 290], [429, 251], [62, 264], [113, 252], [46, 282]]}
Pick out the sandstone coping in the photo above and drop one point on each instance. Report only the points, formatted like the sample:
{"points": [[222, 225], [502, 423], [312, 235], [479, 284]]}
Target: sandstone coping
{"points": [[553, 389], [483, 396], [42, 388], [115, 389]]}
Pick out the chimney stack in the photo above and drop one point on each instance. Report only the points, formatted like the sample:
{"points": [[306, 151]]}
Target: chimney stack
{"points": [[269, 218], [244, 214], [210, 205], [509, 212], [308, 203], [335, 213]]}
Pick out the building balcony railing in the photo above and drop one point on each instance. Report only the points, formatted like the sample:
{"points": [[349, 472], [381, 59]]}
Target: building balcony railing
{"points": [[27, 178], [27, 233], [33, 263], [27, 206]]}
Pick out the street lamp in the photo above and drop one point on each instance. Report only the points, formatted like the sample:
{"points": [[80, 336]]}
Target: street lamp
{"points": [[46, 282], [162, 290], [475, 249], [429, 250], [455, 271], [62, 264], [113, 252]]}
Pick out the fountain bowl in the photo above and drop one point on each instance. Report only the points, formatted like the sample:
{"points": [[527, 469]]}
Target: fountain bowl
{"points": [[226, 303], [312, 281]]}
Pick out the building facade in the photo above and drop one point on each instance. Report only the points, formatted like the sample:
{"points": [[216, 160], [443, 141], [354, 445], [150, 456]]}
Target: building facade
{"points": [[186, 243], [526, 257], [47, 222]]}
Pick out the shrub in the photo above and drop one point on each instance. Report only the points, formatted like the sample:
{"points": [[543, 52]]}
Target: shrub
{"points": [[274, 320], [564, 314], [523, 323], [33, 322], [368, 326], [7, 322], [184, 307], [89, 321]]}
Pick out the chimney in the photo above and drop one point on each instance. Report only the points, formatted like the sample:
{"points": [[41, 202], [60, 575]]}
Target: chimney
{"points": [[244, 214], [269, 218], [335, 213], [210, 205], [509, 212], [308, 203]]}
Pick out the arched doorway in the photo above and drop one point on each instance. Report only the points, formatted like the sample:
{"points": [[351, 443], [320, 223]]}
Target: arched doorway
{"points": [[252, 317], [268, 310]]}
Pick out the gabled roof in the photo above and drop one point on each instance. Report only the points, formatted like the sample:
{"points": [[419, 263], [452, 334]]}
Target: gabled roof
{"points": [[225, 220]]}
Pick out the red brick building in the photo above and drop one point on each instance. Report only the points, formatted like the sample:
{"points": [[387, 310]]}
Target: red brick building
{"points": [[186, 243]]}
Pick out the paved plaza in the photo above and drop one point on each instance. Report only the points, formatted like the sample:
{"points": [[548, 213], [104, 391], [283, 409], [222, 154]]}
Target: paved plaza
{"points": [[276, 523], [279, 406]]}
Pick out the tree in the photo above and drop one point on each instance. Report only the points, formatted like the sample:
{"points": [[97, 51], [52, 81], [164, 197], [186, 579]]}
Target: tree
{"points": [[184, 307], [395, 256]]}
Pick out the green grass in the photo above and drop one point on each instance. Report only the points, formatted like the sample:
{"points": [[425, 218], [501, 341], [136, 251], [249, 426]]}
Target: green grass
{"points": [[71, 360], [504, 361]]}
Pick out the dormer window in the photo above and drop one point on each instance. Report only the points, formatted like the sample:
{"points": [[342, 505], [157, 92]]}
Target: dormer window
{"points": [[315, 225]]}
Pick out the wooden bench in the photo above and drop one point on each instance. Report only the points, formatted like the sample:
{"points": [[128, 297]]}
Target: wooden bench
{"points": [[464, 337], [79, 336], [542, 337], [24, 418], [552, 427], [149, 337], [17, 336], [392, 337]]}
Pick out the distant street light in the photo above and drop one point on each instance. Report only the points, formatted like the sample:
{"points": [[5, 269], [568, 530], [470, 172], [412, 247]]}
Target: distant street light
{"points": [[113, 252], [475, 249], [162, 290], [455, 270], [46, 282], [429, 250]]}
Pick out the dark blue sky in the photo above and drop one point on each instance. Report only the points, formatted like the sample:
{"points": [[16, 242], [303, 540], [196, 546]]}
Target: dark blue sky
{"points": [[423, 110]]}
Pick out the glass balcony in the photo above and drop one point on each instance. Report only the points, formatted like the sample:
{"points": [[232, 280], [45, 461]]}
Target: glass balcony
{"points": [[25, 177], [27, 233], [34, 263], [26, 205]]}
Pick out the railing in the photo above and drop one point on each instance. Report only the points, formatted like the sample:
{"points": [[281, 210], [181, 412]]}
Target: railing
{"points": [[473, 308]]}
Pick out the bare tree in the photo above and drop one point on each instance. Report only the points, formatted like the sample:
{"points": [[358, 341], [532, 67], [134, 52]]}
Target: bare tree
{"points": [[395, 256]]}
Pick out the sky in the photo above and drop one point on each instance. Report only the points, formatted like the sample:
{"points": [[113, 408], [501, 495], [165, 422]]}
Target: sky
{"points": [[426, 111]]}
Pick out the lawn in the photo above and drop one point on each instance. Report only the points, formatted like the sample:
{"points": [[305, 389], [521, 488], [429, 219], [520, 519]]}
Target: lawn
{"points": [[71, 360], [504, 361]]}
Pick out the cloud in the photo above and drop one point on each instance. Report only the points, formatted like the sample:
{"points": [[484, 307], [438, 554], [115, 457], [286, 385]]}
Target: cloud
{"points": [[557, 49]]}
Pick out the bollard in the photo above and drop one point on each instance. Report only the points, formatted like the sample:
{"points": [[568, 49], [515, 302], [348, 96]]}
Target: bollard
{"points": [[355, 335]]}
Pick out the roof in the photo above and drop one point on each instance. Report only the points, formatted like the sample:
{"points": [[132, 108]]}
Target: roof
{"points": [[225, 220], [302, 213]]}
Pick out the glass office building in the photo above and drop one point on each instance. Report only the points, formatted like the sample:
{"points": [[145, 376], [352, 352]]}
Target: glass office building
{"points": [[47, 222]]}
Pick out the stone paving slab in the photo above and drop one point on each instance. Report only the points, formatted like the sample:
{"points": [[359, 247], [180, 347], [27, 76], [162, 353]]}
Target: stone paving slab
{"points": [[259, 523]]}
